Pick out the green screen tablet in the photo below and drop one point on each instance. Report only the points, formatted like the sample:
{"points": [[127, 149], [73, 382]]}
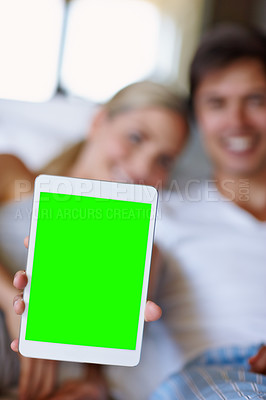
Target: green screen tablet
{"points": [[88, 266]]}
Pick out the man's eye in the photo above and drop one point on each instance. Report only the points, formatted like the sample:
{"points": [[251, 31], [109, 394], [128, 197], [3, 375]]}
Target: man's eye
{"points": [[135, 137], [257, 100], [215, 104]]}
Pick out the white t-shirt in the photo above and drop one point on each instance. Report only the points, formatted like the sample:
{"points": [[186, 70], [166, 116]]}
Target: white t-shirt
{"points": [[214, 290]]}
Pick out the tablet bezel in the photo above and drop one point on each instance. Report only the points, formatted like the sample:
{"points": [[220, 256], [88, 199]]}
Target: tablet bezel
{"points": [[99, 189]]}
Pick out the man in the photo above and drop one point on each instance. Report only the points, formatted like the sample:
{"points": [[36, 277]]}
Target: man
{"points": [[214, 297]]}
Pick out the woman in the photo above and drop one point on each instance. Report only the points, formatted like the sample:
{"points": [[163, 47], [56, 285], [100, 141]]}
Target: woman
{"points": [[135, 137]]}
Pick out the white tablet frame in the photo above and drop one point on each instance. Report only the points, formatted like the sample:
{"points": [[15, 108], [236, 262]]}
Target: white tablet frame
{"points": [[100, 189]]}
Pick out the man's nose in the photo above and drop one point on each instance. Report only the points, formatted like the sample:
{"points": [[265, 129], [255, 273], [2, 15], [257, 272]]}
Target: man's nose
{"points": [[237, 117]]}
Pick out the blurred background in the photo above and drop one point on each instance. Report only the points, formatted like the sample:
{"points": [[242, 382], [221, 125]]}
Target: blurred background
{"points": [[60, 59]]}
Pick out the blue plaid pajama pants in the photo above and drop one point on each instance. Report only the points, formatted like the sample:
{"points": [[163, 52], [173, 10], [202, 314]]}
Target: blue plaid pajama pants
{"points": [[218, 374]]}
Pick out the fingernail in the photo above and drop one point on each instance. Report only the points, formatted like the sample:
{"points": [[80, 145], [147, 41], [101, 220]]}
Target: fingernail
{"points": [[17, 301]]}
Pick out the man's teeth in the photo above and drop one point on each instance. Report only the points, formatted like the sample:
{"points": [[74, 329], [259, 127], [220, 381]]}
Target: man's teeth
{"points": [[239, 144]]}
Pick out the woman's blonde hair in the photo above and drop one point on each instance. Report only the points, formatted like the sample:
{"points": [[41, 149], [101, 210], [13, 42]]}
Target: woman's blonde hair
{"points": [[143, 95], [137, 95]]}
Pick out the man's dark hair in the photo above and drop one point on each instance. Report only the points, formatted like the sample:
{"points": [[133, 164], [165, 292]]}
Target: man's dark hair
{"points": [[222, 46]]}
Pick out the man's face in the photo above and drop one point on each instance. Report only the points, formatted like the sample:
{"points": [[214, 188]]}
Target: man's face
{"points": [[230, 105]]}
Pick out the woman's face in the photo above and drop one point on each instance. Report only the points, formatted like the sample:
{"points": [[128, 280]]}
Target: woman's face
{"points": [[136, 146]]}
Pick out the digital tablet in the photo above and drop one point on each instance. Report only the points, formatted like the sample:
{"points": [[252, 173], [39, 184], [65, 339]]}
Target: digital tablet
{"points": [[88, 267]]}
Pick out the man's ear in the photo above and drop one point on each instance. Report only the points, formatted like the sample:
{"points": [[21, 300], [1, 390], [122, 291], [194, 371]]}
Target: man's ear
{"points": [[98, 119]]}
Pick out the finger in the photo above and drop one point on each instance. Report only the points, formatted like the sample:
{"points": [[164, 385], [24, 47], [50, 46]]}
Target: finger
{"points": [[152, 312], [258, 362], [20, 280], [253, 359], [26, 242], [14, 345], [48, 381], [18, 304]]}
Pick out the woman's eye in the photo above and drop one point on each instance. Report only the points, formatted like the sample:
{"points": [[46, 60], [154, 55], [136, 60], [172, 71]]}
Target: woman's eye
{"points": [[135, 137]]}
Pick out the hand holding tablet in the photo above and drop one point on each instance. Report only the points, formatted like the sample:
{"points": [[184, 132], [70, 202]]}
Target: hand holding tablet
{"points": [[92, 240]]}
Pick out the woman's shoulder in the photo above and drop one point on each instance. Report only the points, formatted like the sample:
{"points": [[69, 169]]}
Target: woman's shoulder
{"points": [[10, 160], [14, 175]]}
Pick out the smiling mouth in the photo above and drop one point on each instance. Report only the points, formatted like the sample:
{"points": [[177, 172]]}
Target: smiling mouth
{"points": [[240, 144]]}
